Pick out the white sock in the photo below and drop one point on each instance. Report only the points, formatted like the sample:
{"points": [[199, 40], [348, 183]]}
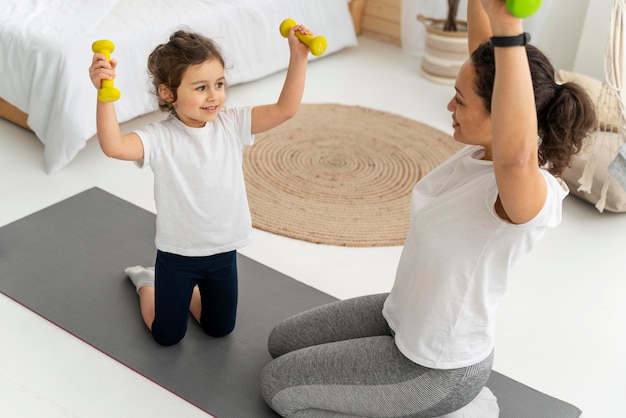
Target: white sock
{"points": [[140, 276]]}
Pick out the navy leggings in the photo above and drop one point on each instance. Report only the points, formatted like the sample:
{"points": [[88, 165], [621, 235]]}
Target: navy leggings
{"points": [[175, 278]]}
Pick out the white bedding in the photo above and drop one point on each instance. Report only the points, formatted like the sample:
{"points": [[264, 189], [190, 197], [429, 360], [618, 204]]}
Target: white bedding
{"points": [[45, 47]]}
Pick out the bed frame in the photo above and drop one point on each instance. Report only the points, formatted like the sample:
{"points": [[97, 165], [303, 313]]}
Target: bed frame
{"points": [[13, 114], [374, 18]]}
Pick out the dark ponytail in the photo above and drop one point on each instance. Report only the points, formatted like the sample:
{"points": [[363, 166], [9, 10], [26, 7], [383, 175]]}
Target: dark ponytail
{"points": [[564, 122], [565, 113]]}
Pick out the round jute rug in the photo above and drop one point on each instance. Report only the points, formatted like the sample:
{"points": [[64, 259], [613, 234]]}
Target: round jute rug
{"points": [[340, 175]]}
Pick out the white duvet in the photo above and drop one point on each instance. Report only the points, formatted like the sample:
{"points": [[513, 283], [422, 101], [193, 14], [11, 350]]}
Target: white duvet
{"points": [[45, 47]]}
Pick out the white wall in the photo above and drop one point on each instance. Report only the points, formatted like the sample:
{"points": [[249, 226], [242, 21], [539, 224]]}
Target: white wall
{"points": [[556, 29], [595, 33], [573, 33]]}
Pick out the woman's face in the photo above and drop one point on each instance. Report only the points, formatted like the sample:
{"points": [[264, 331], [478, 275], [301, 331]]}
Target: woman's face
{"points": [[470, 120]]}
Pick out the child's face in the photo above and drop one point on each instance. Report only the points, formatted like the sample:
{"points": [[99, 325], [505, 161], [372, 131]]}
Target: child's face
{"points": [[201, 94]]}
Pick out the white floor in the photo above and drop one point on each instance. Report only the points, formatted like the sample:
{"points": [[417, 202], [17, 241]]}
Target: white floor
{"points": [[561, 328]]}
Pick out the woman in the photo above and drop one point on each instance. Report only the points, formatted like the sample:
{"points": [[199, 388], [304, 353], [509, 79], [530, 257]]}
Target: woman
{"points": [[426, 348]]}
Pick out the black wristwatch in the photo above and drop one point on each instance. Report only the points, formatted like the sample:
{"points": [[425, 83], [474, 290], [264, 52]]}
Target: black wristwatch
{"points": [[504, 41]]}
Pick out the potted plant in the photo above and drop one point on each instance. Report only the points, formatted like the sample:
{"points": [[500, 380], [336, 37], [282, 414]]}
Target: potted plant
{"points": [[450, 23], [446, 45]]}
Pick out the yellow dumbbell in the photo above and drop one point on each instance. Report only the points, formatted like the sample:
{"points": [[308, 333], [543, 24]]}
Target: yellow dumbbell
{"points": [[317, 45], [107, 92]]}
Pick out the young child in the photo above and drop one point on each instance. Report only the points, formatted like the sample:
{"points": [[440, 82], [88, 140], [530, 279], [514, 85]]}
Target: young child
{"points": [[196, 156]]}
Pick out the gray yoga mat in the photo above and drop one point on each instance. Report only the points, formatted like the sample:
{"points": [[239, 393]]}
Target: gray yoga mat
{"points": [[66, 263]]}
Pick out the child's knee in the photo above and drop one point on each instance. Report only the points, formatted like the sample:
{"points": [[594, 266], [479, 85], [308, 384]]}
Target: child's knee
{"points": [[168, 339], [218, 331], [219, 334]]}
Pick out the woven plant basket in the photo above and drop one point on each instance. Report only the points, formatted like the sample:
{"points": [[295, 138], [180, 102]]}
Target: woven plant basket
{"points": [[445, 51]]}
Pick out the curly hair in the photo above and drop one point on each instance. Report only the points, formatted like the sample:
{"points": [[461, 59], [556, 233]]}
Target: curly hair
{"points": [[565, 112], [168, 62]]}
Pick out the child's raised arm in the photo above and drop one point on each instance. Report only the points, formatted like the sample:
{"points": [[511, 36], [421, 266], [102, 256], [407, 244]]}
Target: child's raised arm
{"points": [[269, 116], [112, 142]]}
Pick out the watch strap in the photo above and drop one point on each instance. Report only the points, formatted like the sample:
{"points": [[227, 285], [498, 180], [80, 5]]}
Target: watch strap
{"points": [[505, 41]]}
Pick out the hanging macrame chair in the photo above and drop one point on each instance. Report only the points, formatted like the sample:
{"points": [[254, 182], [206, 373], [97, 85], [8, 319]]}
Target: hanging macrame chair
{"points": [[611, 132]]}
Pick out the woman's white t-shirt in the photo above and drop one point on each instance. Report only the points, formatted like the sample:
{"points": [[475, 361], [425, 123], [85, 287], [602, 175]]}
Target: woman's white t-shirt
{"points": [[455, 263]]}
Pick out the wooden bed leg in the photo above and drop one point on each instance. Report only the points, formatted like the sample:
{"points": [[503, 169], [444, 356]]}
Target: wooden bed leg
{"points": [[13, 114], [356, 10]]}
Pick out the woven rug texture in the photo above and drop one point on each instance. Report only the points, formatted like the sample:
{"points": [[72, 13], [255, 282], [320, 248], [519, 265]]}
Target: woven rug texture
{"points": [[341, 175]]}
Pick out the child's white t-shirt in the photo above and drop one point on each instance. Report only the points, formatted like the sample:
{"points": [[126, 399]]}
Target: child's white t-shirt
{"points": [[455, 264], [199, 189]]}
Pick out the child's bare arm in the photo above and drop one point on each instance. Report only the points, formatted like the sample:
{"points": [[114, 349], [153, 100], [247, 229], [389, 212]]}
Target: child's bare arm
{"points": [[269, 116]]}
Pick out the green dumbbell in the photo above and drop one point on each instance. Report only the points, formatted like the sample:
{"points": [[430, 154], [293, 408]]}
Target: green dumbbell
{"points": [[522, 8]]}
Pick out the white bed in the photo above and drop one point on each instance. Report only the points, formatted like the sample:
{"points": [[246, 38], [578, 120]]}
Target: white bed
{"points": [[46, 49]]}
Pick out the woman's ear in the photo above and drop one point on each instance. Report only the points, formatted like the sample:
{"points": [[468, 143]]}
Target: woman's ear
{"points": [[165, 94]]}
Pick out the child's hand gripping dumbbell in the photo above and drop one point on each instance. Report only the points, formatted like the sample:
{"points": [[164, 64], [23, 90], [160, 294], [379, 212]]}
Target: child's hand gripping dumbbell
{"points": [[107, 91], [317, 45]]}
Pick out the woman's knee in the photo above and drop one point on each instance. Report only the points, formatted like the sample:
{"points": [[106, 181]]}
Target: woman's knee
{"points": [[336, 321], [277, 342], [271, 381]]}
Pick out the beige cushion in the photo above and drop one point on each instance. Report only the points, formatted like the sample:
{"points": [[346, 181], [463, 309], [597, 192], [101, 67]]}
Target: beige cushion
{"points": [[604, 149]]}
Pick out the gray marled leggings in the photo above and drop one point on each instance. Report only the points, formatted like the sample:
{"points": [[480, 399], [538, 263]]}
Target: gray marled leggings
{"points": [[340, 360]]}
